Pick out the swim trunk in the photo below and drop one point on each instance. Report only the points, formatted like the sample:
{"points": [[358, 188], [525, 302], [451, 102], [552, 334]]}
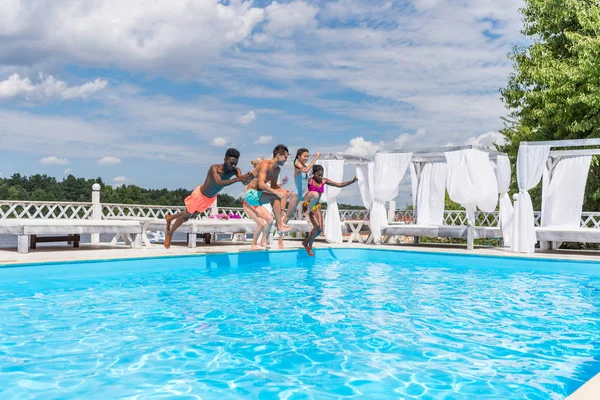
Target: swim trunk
{"points": [[245, 203], [315, 207], [197, 202], [252, 197]]}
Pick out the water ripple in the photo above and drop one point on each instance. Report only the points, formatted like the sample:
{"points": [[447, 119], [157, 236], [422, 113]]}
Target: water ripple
{"points": [[329, 330]]}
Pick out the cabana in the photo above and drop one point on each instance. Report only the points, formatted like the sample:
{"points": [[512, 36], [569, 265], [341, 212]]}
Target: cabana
{"points": [[333, 166], [564, 175], [472, 175]]}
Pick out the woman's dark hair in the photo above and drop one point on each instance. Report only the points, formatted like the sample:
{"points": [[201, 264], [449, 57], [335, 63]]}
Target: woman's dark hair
{"points": [[317, 168], [299, 153]]}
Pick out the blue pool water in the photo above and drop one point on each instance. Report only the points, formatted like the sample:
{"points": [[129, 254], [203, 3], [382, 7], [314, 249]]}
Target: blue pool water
{"points": [[345, 324]]}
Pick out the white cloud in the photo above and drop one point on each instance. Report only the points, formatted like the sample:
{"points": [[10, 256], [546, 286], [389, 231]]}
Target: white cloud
{"points": [[120, 179], [53, 160], [247, 119], [287, 18], [264, 140], [406, 140], [221, 142], [109, 160], [133, 34], [67, 171], [48, 88], [487, 139], [363, 148]]}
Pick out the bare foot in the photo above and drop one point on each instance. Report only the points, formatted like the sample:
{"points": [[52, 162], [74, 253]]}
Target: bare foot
{"points": [[284, 228], [305, 245], [256, 247], [168, 218], [167, 241], [310, 251]]}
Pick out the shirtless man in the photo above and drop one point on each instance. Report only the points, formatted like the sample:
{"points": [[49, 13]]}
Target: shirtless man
{"points": [[259, 192], [218, 177]]}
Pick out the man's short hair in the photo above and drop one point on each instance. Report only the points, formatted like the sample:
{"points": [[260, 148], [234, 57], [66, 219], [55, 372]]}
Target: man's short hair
{"points": [[280, 149], [232, 153]]}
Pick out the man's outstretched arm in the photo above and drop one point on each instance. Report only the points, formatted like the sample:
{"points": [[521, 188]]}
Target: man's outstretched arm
{"points": [[220, 182]]}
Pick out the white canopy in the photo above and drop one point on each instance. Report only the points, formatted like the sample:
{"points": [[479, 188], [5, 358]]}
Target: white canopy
{"points": [[563, 187], [471, 181], [387, 174], [562, 196], [429, 191], [505, 214], [334, 170]]}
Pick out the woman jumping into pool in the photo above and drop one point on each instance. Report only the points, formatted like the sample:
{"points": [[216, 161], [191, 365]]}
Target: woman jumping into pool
{"points": [[301, 169], [316, 187]]}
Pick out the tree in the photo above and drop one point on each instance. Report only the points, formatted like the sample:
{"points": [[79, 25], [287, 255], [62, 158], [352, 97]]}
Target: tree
{"points": [[554, 91]]}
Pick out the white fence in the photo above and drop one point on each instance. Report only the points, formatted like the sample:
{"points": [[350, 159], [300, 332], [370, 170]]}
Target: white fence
{"points": [[98, 210]]}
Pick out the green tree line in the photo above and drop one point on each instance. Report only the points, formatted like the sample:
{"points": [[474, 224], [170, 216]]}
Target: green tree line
{"points": [[71, 189], [553, 92]]}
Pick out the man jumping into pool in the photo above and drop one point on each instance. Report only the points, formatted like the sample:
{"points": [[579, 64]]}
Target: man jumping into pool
{"points": [[259, 192], [217, 178]]}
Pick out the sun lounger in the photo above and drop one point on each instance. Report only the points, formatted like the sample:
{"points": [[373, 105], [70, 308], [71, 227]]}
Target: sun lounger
{"points": [[24, 228], [548, 235], [446, 231]]}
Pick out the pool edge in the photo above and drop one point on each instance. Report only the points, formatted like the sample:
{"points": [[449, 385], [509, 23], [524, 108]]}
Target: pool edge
{"points": [[328, 248], [588, 391]]}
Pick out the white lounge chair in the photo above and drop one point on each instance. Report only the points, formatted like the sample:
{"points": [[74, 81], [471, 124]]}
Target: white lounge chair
{"points": [[470, 233], [24, 228]]}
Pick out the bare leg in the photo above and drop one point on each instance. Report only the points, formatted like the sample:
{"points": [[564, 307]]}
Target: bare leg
{"points": [[171, 217], [311, 199], [291, 206], [268, 218], [307, 242], [318, 216], [277, 210], [260, 223], [182, 217]]}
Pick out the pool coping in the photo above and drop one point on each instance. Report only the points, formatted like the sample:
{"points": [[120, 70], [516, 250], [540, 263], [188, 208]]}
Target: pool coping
{"points": [[588, 391], [225, 250]]}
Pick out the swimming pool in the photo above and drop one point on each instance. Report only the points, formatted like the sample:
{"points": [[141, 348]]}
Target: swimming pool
{"points": [[345, 324]]}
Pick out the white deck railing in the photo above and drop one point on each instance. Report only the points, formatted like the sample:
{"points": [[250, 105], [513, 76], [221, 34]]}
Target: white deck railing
{"points": [[83, 210], [45, 210]]}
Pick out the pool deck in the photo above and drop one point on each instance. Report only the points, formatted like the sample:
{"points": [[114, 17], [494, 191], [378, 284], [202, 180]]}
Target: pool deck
{"points": [[58, 253]]}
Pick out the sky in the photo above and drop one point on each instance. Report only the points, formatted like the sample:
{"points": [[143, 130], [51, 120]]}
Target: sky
{"points": [[152, 93]]}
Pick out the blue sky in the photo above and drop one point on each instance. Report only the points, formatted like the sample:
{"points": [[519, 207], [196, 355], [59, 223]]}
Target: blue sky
{"points": [[153, 93]]}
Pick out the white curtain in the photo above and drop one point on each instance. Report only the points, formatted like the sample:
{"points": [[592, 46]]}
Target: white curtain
{"points": [[364, 173], [333, 170], [389, 171], [562, 197], [505, 215], [414, 185], [531, 162], [430, 193], [471, 181]]}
